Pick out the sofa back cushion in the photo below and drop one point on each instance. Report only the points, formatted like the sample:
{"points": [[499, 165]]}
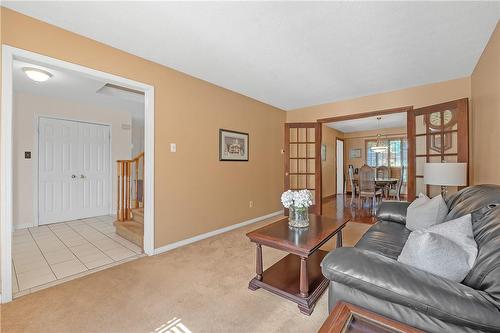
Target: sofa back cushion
{"points": [[471, 199], [485, 274]]}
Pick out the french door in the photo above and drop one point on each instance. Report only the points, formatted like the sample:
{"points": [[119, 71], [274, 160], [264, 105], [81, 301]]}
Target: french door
{"points": [[436, 133], [303, 160], [73, 170]]}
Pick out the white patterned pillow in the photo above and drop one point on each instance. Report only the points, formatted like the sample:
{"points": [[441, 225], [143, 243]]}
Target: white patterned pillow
{"points": [[424, 212]]}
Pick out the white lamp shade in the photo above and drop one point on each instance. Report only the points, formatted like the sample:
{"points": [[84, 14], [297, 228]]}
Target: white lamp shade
{"points": [[445, 174]]}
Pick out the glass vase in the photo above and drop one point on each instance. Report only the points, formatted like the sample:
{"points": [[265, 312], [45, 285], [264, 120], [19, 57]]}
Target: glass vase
{"points": [[298, 217]]}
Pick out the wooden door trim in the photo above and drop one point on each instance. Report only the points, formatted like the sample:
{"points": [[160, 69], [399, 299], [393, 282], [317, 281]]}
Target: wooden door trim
{"points": [[365, 114], [438, 107], [411, 129]]}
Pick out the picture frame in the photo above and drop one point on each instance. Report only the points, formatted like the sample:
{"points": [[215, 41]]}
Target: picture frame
{"points": [[233, 146], [355, 153]]}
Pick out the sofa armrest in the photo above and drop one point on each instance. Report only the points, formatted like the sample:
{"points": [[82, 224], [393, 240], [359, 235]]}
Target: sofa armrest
{"points": [[427, 293], [393, 211]]}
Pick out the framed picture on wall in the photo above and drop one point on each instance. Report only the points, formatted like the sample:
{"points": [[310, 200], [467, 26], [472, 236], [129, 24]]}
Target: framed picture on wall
{"points": [[355, 153], [233, 146], [323, 152]]}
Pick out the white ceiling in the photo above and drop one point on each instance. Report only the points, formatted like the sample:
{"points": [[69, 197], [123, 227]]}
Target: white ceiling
{"points": [[393, 120], [73, 86], [290, 54]]}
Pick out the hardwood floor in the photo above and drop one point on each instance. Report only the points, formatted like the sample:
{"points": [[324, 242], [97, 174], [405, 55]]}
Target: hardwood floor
{"points": [[340, 205]]}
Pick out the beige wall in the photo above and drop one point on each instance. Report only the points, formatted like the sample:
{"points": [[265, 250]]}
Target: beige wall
{"points": [[417, 96], [485, 86], [328, 173], [27, 108], [194, 192]]}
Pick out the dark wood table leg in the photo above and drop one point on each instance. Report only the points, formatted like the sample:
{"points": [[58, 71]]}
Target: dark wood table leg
{"points": [[258, 268], [339, 238], [304, 278]]}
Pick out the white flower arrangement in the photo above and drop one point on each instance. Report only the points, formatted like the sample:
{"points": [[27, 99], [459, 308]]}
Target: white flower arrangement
{"points": [[296, 199]]}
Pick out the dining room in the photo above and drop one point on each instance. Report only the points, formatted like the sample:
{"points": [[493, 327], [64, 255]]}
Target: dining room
{"points": [[370, 159]]}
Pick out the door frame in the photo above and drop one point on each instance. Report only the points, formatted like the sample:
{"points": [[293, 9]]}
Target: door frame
{"points": [[35, 158], [9, 54], [407, 109], [336, 161]]}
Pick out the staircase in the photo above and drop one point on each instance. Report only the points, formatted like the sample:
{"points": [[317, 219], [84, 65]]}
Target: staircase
{"points": [[132, 230], [130, 206]]}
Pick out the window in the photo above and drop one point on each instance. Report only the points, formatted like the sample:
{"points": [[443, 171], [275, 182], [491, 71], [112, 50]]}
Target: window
{"points": [[395, 156]]}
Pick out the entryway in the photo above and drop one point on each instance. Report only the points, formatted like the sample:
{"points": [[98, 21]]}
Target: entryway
{"points": [[51, 254], [66, 130]]}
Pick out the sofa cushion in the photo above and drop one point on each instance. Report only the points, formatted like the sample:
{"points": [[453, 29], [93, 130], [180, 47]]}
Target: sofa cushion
{"points": [[425, 212], [385, 238], [426, 293], [485, 274], [446, 249], [470, 199]]}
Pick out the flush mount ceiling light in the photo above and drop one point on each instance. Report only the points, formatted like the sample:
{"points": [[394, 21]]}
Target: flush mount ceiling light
{"points": [[37, 74]]}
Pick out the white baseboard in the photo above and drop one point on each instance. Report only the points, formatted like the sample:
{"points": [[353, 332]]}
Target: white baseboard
{"points": [[23, 226], [213, 233]]}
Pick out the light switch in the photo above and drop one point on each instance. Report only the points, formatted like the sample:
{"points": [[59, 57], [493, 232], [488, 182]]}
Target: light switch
{"points": [[27, 155], [173, 147]]}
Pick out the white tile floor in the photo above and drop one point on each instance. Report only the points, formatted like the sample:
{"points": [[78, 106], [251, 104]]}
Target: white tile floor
{"points": [[44, 254]]}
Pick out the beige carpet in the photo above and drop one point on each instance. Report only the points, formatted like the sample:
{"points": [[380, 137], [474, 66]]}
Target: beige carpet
{"points": [[202, 287]]}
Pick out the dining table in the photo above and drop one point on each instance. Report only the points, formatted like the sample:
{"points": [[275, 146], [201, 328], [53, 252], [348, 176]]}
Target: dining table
{"points": [[380, 182]]}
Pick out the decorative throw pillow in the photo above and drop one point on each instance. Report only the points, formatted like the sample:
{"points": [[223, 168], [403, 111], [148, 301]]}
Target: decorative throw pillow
{"points": [[424, 212], [447, 249]]}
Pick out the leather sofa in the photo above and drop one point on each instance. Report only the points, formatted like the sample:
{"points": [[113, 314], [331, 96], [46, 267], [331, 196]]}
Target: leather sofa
{"points": [[368, 274]]}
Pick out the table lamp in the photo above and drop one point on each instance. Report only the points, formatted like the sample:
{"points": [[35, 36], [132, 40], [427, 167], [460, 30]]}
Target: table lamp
{"points": [[445, 174]]}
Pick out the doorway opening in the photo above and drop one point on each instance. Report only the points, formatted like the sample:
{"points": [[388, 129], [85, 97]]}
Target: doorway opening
{"points": [[340, 165], [66, 130], [374, 141]]}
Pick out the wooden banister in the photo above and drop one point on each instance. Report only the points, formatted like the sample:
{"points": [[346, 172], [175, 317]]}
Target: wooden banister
{"points": [[130, 186]]}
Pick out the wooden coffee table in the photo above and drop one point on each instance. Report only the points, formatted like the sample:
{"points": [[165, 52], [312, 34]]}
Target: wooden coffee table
{"points": [[297, 277], [348, 318]]}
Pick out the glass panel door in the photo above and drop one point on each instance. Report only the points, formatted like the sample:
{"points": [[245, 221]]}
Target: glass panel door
{"points": [[438, 134], [303, 160]]}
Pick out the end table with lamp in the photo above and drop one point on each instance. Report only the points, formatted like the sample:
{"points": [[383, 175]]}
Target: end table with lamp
{"points": [[445, 174]]}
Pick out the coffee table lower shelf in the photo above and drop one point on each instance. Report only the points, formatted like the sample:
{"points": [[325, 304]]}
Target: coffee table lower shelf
{"points": [[282, 279]]}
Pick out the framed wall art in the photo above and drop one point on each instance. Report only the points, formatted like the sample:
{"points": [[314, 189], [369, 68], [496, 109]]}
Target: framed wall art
{"points": [[233, 146], [355, 153]]}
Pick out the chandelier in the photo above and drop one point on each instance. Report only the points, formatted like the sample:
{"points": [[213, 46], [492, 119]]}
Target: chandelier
{"points": [[381, 144]]}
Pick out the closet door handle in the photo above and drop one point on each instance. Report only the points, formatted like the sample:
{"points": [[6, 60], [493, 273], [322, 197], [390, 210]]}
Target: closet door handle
{"points": [[73, 176]]}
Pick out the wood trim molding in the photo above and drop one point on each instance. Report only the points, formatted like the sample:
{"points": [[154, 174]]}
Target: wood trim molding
{"points": [[365, 114]]}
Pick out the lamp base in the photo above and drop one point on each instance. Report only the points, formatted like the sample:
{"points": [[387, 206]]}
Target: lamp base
{"points": [[444, 190]]}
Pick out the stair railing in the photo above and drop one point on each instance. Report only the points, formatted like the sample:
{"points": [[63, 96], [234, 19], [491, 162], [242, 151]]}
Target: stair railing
{"points": [[130, 192]]}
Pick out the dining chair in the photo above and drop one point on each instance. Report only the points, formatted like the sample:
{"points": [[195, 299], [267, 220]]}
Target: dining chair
{"points": [[367, 187], [383, 172], [354, 188], [395, 193]]}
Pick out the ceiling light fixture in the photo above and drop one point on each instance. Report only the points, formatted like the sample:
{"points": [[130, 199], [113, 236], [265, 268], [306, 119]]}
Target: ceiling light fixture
{"points": [[37, 74], [381, 144]]}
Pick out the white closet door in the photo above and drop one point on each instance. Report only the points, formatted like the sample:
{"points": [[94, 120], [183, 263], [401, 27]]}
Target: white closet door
{"points": [[73, 170], [94, 172]]}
